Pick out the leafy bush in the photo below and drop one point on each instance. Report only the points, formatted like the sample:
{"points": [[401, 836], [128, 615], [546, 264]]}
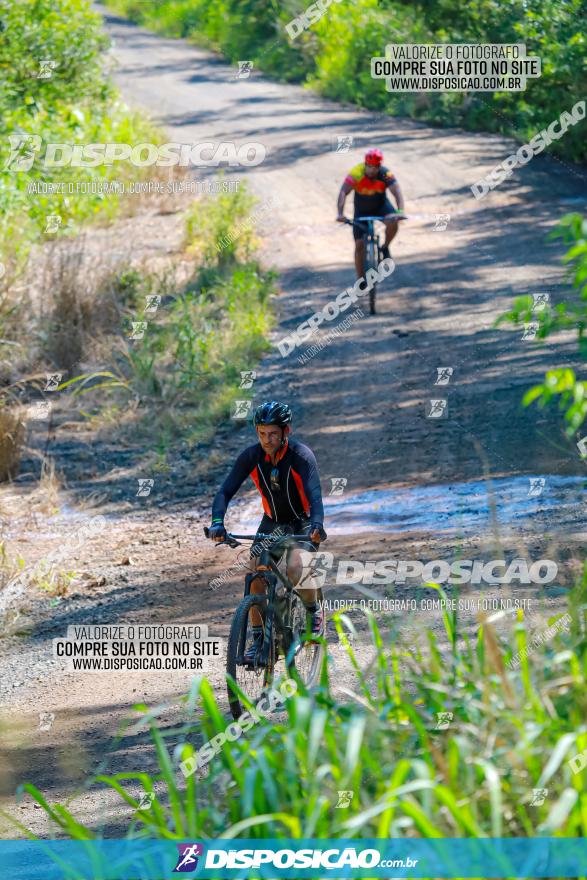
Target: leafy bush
{"points": [[334, 54], [562, 384], [213, 228], [55, 88]]}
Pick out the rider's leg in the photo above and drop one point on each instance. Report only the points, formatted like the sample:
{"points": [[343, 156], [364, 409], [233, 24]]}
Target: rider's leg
{"points": [[295, 570], [360, 257], [308, 589], [391, 228], [258, 587]]}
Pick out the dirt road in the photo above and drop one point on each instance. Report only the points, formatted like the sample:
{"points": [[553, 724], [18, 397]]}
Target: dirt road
{"points": [[456, 484]]}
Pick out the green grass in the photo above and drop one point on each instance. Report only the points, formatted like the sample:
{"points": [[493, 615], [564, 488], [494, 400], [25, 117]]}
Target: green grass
{"points": [[511, 731], [181, 379]]}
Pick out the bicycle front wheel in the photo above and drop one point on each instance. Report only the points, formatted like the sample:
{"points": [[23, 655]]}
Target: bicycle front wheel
{"points": [[252, 680], [371, 263], [304, 654]]}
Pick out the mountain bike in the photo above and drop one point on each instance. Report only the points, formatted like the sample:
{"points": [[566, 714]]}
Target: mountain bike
{"points": [[286, 634], [373, 247]]}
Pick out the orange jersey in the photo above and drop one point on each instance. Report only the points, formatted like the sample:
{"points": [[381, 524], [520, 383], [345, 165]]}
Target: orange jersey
{"points": [[369, 191]]}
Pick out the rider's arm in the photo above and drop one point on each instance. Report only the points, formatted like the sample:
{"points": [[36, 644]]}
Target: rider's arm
{"points": [[239, 473], [307, 467], [345, 189], [397, 194]]}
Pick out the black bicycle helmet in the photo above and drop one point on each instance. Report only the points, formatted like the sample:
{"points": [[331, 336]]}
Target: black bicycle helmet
{"points": [[272, 413]]}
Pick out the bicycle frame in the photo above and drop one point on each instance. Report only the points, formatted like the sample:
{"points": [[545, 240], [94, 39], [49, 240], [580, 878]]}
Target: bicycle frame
{"points": [[270, 577], [367, 225], [265, 558], [372, 246]]}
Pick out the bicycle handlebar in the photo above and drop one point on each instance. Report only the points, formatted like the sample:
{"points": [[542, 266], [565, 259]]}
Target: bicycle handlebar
{"points": [[382, 219], [232, 541]]}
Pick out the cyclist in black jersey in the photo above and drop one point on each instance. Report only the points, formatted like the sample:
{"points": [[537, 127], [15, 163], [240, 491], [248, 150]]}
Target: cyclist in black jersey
{"points": [[286, 474]]}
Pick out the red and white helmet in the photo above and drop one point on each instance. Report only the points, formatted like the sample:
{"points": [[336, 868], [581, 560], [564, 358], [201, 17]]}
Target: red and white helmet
{"points": [[373, 157]]}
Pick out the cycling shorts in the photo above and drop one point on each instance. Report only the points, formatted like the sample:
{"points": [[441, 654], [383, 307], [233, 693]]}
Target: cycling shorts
{"points": [[386, 208]]}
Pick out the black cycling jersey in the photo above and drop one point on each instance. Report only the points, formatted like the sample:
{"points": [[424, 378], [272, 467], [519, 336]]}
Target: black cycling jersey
{"points": [[291, 493]]}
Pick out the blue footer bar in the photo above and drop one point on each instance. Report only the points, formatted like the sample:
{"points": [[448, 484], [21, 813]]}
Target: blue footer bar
{"points": [[149, 859]]}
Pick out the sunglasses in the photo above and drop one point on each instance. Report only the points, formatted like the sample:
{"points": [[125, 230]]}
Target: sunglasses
{"points": [[275, 487]]}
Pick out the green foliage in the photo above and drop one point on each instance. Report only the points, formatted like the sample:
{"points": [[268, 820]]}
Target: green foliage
{"points": [[334, 54], [55, 581], [185, 371], [562, 385], [72, 102], [221, 231], [241, 29], [512, 730]]}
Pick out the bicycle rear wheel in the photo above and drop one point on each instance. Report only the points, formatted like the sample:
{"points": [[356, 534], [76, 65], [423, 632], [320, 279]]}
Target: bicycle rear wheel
{"points": [[251, 680], [371, 263]]}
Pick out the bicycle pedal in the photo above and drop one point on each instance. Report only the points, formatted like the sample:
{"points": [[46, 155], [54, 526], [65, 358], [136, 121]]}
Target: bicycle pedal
{"points": [[253, 665]]}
